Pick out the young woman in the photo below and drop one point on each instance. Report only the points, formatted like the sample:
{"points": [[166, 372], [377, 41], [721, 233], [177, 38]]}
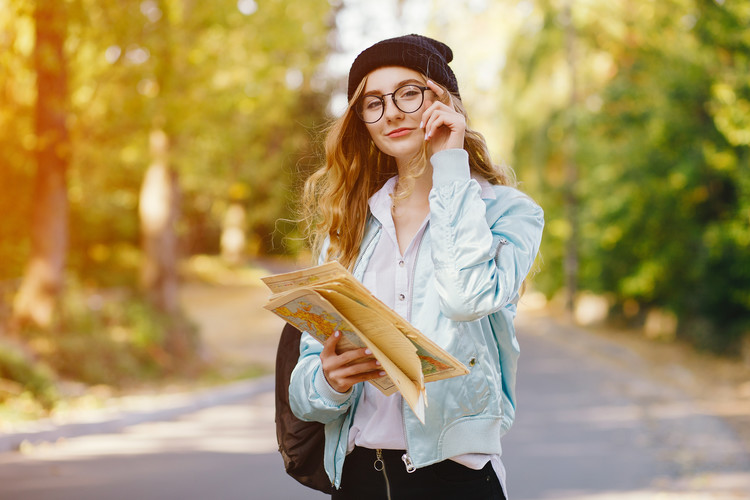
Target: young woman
{"points": [[409, 201]]}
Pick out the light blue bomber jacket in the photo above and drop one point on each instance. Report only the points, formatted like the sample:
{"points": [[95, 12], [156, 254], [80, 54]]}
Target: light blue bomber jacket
{"points": [[479, 245]]}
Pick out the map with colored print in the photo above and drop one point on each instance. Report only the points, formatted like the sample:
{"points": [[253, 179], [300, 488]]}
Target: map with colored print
{"points": [[327, 298]]}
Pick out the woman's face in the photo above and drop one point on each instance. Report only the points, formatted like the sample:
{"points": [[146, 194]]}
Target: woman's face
{"points": [[397, 133]]}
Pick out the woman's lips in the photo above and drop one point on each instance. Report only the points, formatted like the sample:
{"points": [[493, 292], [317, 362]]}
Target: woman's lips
{"points": [[399, 132]]}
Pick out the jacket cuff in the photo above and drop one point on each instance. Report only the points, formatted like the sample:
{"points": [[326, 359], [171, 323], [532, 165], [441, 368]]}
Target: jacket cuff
{"points": [[328, 394], [450, 165]]}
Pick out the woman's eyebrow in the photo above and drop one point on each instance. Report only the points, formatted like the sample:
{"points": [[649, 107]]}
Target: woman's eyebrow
{"points": [[399, 84]]}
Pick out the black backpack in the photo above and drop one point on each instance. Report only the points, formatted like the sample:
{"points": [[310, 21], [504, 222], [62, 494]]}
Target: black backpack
{"points": [[301, 443]]}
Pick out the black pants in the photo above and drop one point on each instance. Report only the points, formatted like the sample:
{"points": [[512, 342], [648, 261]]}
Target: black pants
{"points": [[445, 480]]}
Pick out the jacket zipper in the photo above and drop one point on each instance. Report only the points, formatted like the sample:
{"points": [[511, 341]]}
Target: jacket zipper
{"points": [[379, 465], [406, 457], [356, 264], [335, 452]]}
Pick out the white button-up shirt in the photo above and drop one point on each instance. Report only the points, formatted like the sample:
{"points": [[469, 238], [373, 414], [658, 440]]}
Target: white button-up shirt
{"points": [[378, 422]]}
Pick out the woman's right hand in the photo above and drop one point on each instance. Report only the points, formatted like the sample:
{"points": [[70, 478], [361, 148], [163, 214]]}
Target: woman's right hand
{"points": [[344, 370]]}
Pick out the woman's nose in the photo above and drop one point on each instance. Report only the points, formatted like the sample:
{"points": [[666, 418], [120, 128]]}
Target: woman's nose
{"points": [[391, 110]]}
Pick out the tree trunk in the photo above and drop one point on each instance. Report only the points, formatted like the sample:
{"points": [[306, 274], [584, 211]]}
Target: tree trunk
{"points": [[159, 212], [37, 298], [571, 168], [233, 239], [160, 205]]}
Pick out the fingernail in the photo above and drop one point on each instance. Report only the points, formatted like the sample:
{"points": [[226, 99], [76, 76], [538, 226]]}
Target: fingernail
{"points": [[336, 334], [377, 363], [430, 81], [382, 374], [421, 124], [367, 351]]}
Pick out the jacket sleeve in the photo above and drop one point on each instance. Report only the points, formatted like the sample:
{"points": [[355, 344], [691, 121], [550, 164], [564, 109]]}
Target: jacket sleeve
{"points": [[310, 395], [482, 250]]}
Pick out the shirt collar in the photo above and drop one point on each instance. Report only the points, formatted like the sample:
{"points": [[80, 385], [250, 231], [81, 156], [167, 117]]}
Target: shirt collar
{"points": [[487, 192], [381, 202]]}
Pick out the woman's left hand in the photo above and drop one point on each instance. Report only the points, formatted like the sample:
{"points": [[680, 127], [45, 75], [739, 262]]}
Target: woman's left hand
{"points": [[444, 127]]}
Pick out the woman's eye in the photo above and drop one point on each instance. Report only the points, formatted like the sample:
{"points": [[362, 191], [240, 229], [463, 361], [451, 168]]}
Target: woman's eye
{"points": [[373, 104]]}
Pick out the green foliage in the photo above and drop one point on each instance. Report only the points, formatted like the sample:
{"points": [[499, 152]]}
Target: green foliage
{"points": [[26, 376], [114, 338], [659, 131]]}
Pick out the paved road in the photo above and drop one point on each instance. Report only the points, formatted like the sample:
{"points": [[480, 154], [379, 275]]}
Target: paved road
{"points": [[224, 453], [592, 425]]}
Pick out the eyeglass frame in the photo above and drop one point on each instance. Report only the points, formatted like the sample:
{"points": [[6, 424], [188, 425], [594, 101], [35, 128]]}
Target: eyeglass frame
{"points": [[393, 98]]}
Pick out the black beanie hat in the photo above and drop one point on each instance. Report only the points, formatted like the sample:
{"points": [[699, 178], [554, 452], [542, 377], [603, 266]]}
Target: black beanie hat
{"points": [[416, 52]]}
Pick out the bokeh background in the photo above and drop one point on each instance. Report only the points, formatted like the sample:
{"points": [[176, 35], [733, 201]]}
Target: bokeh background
{"points": [[146, 143]]}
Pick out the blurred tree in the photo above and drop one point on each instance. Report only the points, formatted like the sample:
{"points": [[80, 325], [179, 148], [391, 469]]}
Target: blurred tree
{"points": [[36, 300], [671, 226], [663, 211], [722, 294], [159, 202], [17, 99], [228, 93], [244, 98], [546, 75]]}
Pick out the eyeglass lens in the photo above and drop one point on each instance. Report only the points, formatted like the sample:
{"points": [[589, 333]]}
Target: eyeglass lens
{"points": [[408, 99]]}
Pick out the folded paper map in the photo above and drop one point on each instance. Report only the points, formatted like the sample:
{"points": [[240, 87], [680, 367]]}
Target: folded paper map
{"points": [[327, 298]]}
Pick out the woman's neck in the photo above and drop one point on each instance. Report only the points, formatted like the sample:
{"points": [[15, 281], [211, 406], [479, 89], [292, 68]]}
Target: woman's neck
{"points": [[409, 212], [420, 186]]}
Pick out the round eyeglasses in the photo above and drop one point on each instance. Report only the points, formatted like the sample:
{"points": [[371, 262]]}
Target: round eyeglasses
{"points": [[407, 98]]}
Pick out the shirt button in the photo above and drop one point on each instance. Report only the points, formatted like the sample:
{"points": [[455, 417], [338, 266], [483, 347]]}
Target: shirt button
{"points": [[401, 296], [401, 263]]}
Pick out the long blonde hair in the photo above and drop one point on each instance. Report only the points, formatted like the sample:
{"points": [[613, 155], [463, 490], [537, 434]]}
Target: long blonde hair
{"points": [[335, 197]]}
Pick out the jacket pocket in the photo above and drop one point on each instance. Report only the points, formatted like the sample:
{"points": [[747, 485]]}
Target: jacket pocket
{"points": [[472, 391]]}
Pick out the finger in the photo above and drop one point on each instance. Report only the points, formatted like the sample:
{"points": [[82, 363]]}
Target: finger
{"points": [[329, 355], [343, 378], [426, 116], [430, 112], [329, 347], [435, 88], [356, 369], [452, 120], [442, 94], [354, 356], [434, 123], [439, 92], [332, 361], [436, 105]]}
